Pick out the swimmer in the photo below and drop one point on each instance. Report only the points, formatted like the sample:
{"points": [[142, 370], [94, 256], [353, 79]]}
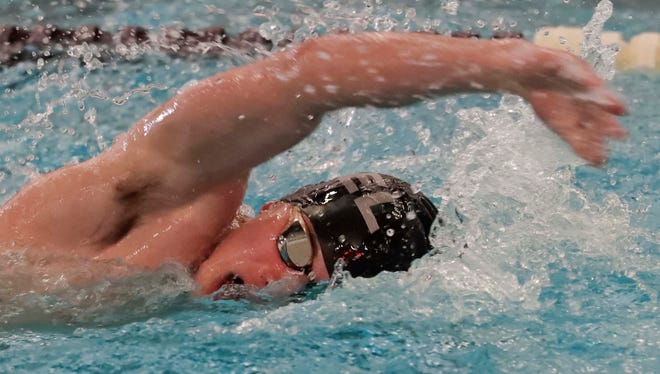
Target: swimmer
{"points": [[170, 187]]}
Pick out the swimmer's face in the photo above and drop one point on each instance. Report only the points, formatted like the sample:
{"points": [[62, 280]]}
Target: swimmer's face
{"points": [[249, 256]]}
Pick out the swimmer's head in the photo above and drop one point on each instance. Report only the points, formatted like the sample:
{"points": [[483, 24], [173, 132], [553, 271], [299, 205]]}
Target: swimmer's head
{"points": [[370, 222]]}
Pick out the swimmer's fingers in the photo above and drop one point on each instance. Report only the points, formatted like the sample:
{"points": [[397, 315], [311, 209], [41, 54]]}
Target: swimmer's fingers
{"points": [[586, 143], [601, 99], [614, 105], [584, 125], [566, 73], [608, 125]]}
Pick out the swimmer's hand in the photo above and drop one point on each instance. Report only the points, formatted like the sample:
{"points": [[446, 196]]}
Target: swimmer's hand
{"points": [[574, 102]]}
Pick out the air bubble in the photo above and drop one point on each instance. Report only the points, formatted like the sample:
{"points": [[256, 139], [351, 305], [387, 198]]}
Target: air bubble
{"points": [[390, 232]]}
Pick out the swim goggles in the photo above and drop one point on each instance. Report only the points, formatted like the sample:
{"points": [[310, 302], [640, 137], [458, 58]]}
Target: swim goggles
{"points": [[295, 245]]}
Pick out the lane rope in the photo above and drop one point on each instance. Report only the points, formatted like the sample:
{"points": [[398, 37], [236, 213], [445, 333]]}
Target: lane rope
{"points": [[641, 52], [41, 42]]}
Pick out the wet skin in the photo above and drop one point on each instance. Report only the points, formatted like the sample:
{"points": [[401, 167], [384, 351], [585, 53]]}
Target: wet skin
{"points": [[169, 188], [250, 255]]}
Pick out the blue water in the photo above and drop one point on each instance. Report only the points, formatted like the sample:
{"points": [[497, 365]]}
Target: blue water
{"points": [[561, 272]]}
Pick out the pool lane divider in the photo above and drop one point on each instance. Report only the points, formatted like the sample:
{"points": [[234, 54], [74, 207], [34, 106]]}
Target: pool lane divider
{"points": [[641, 52], [19, 43]]}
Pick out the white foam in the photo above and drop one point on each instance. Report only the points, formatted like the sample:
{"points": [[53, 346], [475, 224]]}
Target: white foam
{"points": [[96, 292]]}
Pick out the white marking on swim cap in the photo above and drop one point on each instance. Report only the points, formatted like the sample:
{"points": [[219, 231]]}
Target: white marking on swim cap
{"points": [[323, 55], [375, 177], [364, 178], [348, 183], [364, 204]]}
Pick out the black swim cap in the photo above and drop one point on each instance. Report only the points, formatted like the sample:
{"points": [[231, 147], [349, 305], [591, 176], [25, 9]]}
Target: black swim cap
{"points": [[373, 222]]}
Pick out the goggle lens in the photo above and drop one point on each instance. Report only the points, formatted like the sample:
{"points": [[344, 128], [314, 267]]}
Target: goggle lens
{"points": [[295, 246]]}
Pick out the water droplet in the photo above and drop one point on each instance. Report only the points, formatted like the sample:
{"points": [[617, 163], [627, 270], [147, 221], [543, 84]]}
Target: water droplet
{"points": [[411, 215], [309, 89], [411, 13], [90, 116], [390, 232], [451, 7], [270, 30], [331, 88]]}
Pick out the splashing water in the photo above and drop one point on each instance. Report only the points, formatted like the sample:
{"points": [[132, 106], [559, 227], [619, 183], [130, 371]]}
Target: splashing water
{"points": [[533, 269], [88, 292], [601, 57], [520, 209]]}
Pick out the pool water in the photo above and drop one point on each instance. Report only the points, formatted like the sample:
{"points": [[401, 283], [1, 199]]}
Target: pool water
{"points": [[545, 264]]}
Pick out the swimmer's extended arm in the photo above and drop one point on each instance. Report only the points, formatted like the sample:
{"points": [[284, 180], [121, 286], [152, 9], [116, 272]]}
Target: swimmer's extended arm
{"points": [[233, 121], [144, 193]]}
